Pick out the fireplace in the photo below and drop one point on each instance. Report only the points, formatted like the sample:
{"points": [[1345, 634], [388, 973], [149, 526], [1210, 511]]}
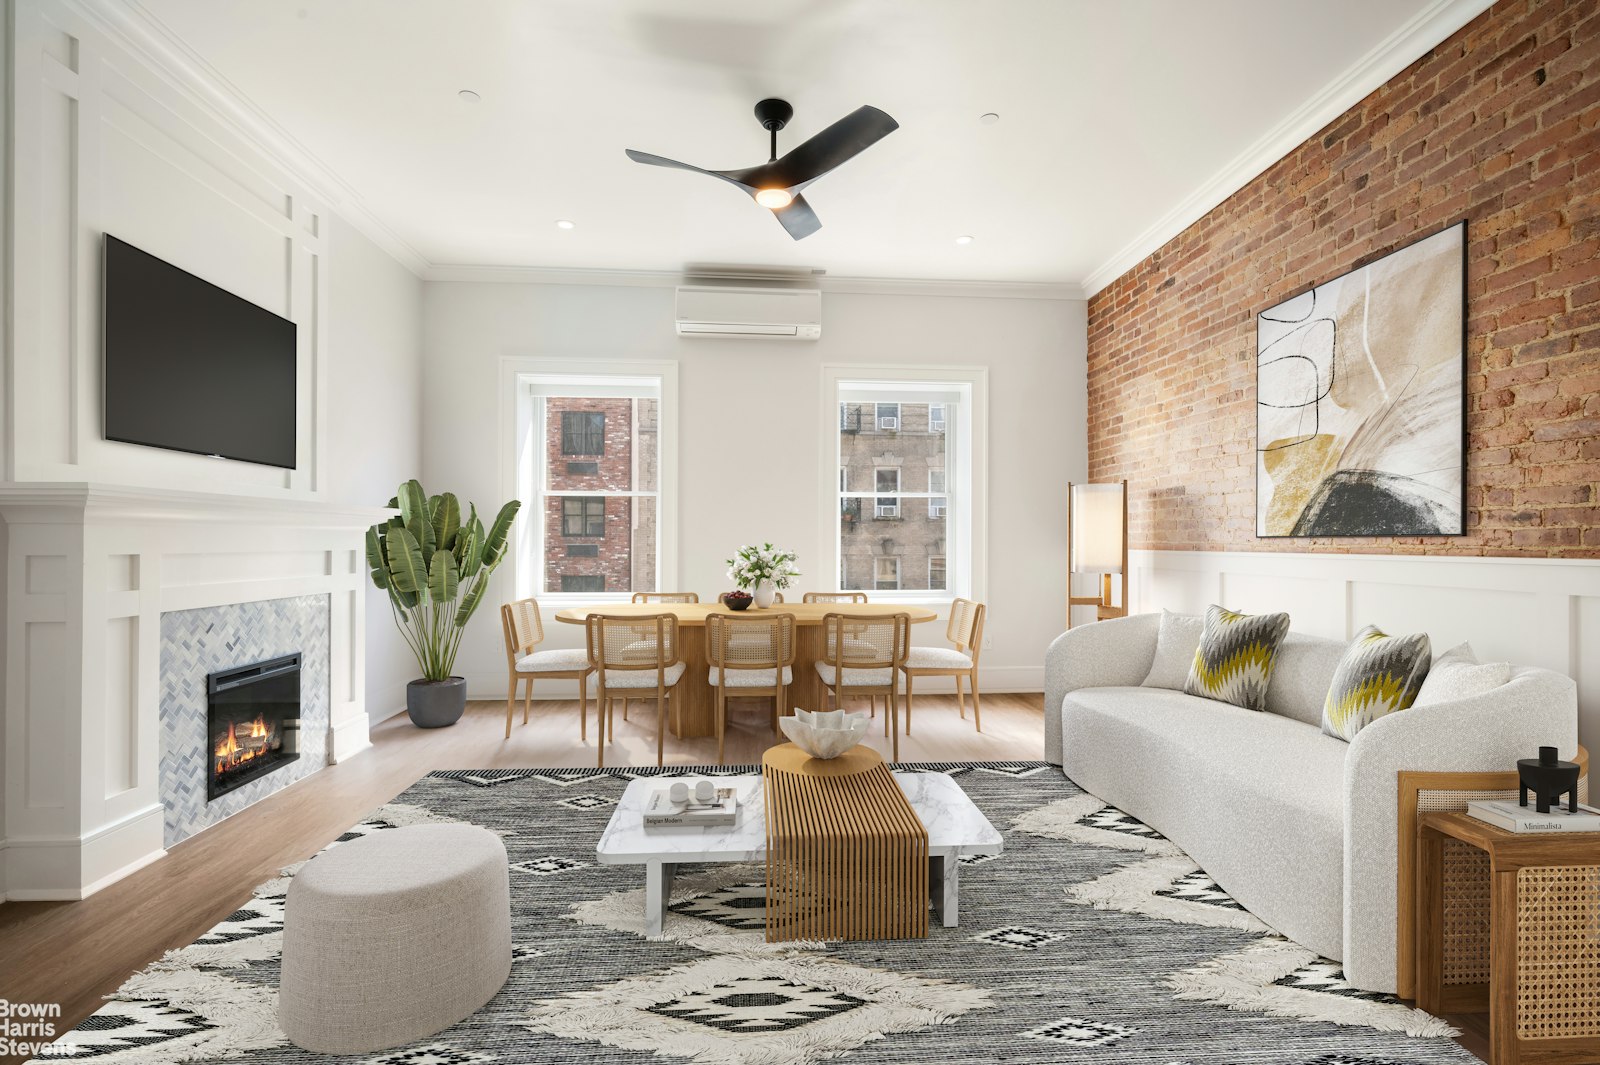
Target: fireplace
{"points": [[253, 718]]}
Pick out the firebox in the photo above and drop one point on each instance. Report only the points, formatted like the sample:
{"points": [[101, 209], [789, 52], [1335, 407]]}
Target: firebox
{"points": [[253, 713]]}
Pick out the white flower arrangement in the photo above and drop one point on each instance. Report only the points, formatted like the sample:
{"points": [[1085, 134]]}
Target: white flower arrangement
{"points": [[752, 565]]}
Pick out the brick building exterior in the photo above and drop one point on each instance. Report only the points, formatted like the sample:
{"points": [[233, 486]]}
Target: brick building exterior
{"points": [[1500, 125], [596, 542], [889, 541]]}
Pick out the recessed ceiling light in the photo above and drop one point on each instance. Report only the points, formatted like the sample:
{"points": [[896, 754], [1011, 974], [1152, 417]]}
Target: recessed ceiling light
{"points": [[468, 95], [964, 239], [988, 118], [562, 223]]}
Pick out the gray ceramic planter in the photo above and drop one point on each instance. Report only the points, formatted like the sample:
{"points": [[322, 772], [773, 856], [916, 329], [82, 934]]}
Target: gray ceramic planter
{"points": [[436, 703]]}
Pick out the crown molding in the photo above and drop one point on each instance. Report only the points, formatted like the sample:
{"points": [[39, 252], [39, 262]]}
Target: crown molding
{"points": [[874, 286], [133, 27], [50, 501], [1393, 54]]}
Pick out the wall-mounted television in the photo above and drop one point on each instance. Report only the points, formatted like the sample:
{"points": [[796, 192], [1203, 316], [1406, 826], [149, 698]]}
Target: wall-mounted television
{"points": [[192, 367]]}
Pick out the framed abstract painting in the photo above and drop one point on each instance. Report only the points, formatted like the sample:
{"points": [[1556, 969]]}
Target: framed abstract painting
{"points": [[1361, 399]]}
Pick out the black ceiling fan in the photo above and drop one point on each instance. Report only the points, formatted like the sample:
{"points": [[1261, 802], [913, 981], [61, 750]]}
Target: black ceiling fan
{"points": [[776, 184]]}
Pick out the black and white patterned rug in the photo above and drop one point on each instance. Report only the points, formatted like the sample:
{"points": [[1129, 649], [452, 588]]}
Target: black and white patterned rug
{"points": [[1091, 939]]}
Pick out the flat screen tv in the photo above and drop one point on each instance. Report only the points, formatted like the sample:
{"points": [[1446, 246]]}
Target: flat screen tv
{"points": [[191, 367]]}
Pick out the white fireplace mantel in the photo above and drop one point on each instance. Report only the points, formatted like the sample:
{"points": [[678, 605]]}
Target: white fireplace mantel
{"points": [[90, 569]]}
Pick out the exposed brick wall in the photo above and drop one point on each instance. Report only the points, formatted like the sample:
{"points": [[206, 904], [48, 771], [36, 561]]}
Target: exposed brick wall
{"points": [[1500, 125]]}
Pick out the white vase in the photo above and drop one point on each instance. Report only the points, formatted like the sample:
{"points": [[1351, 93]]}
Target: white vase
{"points": [[764, 594]]}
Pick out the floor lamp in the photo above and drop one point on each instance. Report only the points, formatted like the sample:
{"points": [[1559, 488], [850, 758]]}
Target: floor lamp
{"points": [[1097, 538]]}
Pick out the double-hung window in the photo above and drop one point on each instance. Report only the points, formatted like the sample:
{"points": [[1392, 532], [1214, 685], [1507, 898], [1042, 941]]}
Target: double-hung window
{"points": [[589, 472], [906, 522]]}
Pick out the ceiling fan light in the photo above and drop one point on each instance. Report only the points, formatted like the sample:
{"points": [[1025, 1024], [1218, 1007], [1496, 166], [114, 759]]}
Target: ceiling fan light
{"points": [[776, 199]]}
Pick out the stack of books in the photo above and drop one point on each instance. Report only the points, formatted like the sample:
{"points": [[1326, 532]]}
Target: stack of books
{"points": [[1514, 818], [722, 812]]}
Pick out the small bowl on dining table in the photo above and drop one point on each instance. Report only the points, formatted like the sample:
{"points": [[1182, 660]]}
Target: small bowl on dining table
{"points": [[738, 600]]}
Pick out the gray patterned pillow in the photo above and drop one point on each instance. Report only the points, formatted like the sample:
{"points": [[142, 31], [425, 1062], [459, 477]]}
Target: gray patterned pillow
{"points": [[1378, 675], [1234, 661]]}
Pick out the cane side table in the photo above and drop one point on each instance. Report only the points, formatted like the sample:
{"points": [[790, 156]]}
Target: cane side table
{"points": [[1540, 936]]}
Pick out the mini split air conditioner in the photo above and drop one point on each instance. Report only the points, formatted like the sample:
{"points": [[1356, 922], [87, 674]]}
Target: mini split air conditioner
{"points": [[751, 313]]}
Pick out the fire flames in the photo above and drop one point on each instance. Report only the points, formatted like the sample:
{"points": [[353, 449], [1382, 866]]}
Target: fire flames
{"points": [[256, 742]]}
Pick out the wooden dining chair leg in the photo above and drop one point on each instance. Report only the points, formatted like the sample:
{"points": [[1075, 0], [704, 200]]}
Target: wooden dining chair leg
{"points": [[908, 704], [511, 696], [977, 722], [661, 725], [625, 703], [601, 702], [583, 697], [721, 708], [527, 698], [961, 700], [886, 717], [611, 725], [894, 713]]}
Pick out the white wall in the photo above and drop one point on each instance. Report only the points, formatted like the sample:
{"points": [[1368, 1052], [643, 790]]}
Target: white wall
{"points": [[749, 451], [106, 137], [1528, 611], [375, 416]]}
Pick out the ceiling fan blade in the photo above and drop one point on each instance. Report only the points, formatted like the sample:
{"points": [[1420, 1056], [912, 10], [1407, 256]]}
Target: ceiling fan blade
{"points": [[673, 164], [798, 218], [840, 142]]}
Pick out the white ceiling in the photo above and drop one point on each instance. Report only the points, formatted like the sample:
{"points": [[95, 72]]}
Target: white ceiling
{"points": [[1115, 115]]}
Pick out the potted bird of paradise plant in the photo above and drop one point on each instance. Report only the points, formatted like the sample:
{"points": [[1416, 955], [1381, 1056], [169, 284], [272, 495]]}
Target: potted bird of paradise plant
{"points": [[435, 565]]}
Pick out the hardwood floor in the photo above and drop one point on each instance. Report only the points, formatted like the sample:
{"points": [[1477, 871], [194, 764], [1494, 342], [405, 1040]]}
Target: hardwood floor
{"points": [[74, 953]]}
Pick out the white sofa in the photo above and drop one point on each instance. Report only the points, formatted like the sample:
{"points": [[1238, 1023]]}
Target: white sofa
{"points": [[1299, 827]]}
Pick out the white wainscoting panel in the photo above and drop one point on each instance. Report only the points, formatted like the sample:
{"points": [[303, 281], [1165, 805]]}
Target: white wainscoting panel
{"points": [[103, 143], [1529, 611]]}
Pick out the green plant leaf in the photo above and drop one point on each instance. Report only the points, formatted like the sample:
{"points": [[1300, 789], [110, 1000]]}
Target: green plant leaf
{"points": [[375, 562], [494, 544], [407, 571], [469, 602], [442, 578], [424, 534], [413, 504], [469, 558], [447, 520]]}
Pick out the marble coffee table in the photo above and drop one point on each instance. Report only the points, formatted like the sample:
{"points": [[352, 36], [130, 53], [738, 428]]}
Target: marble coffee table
{"points": [[956, 828]]}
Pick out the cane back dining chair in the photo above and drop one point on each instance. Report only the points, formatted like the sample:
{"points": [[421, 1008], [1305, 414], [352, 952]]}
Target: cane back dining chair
{"points": [[835, 597], [666, 597], [750, 657], [633, 657], [965, 631], [524, 632], [862, 655]]}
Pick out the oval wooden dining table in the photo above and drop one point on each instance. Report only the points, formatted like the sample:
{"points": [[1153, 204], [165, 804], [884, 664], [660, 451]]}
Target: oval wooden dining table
{"points": [[698, 706]]}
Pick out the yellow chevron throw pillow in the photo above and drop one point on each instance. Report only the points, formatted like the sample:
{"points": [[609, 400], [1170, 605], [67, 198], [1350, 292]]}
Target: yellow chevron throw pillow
{"points": [[1378, 675], [1234, 660]]}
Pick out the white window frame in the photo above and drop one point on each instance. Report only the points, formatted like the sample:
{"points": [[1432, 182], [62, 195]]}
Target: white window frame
{"points": [[939, 428], [522, 573], [944, 564], [877, 580], [879, 418], [878, 509], [966, 475], [938, 502]]}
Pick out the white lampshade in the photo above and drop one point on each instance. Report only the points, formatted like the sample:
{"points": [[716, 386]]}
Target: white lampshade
{"points": [[1097, 531]]}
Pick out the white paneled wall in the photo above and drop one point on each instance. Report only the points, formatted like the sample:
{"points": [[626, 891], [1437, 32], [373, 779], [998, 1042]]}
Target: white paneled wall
{"points": [[103, 143], [1536, 612], [108, 133]]}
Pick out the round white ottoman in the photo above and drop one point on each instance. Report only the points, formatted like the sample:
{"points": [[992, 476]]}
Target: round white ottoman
{"points": [[393, 937]]}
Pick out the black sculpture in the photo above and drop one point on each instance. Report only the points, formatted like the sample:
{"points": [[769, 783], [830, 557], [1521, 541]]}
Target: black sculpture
{"points": [[1550, 779]]}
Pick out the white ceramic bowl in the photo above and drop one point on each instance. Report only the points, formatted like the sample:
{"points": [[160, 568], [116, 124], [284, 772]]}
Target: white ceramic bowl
{"points": [[826, 733]]}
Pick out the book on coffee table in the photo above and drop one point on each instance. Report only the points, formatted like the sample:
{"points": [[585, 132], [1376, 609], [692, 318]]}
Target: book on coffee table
{"points": [[721, 812], [1514, 818]]}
